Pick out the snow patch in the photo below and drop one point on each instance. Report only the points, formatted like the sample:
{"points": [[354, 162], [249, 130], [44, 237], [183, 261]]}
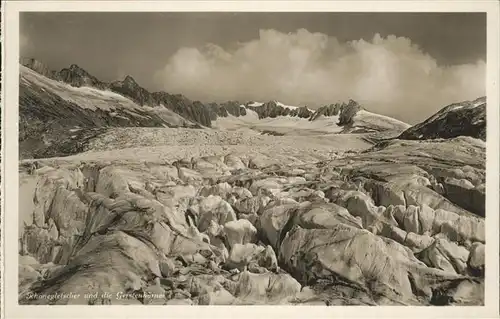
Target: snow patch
{"points": [[288, 123], [93, 99], [254, 104], [478, 103], [291, 107], [369, 119], [457, 107]]}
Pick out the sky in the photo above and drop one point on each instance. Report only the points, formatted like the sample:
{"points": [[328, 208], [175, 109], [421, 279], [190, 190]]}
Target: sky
{"points": [[405, 65]]}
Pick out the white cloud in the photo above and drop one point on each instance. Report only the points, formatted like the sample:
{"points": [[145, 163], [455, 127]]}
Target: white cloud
{"points": [[389, 75]]}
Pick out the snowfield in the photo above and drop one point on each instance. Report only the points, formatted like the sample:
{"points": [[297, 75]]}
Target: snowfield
{"points": [[167, 144], [288, 125], [372, 120]]}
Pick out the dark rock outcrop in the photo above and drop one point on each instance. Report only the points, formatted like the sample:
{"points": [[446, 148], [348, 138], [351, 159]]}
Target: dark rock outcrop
{"points": [[302, 112], [348, 111], [466, 118], [129, 88], [269, 109], [327, 110], [192, 110], [345, 111], [52, 125], [234, 108], [272, 109], [216, 110], [78, 77]]}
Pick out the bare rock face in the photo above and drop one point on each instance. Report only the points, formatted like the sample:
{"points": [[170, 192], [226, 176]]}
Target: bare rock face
{"points": [[327, 110], [344, 111], [129, 87], [272, 109], [191, 110], [234, 108], [78, 77]]}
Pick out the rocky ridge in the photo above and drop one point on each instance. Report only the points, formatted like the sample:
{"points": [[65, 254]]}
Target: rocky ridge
{"points": [[191, 110], [56, 119], [466, 118], [273, 109], [194, 111]]}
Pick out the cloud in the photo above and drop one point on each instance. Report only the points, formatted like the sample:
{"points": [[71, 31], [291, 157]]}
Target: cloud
{"points": [[389, 75]]}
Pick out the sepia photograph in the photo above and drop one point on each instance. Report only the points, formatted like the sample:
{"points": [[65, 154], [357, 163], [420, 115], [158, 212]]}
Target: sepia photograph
{"points": [[252, 158]]}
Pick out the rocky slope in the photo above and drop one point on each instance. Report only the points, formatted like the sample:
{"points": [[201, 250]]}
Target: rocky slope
{"points": [[76, 76], [466, 118], [193, 111], [377, 227], [57, 119]]}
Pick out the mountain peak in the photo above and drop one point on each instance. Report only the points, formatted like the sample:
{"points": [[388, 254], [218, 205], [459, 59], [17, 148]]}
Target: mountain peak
{"points": [[129, 80], [75, 67], [467, 118], [352, 102], [77, 76]]}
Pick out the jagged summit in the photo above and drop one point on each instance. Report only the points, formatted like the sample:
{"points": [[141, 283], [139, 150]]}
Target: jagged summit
{"points": [[273, 109], [78, 77], [130, 81], [337, 109], [75, 67], [130, 88]]}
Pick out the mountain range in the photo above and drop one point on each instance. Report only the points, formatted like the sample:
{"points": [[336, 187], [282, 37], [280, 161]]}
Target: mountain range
{"points": [[53, 102]]}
